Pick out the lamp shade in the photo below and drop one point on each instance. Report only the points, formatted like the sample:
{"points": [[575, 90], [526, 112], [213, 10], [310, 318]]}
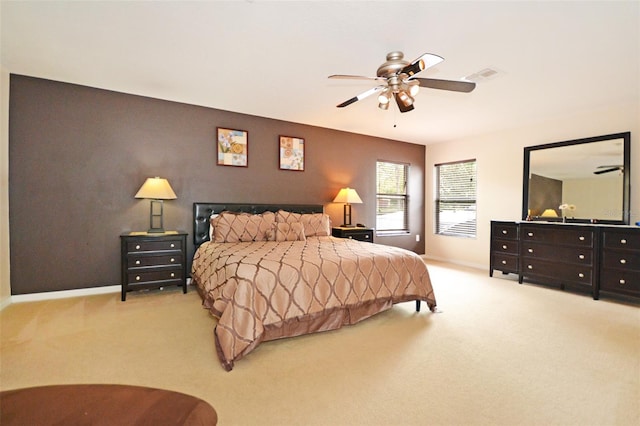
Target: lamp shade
{"points": [[549, 213], [156, 189], [347, 195]]}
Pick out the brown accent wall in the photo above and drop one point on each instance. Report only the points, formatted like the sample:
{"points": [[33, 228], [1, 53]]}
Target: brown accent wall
{"points": [[77, 156]]}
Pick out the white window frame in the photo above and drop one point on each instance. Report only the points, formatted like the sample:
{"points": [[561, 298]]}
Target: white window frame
{"points": [[455, 209], [383, 198]]}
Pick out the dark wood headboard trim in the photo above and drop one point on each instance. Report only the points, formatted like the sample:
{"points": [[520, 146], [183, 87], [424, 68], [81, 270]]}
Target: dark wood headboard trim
{"points": [[202, 211]]}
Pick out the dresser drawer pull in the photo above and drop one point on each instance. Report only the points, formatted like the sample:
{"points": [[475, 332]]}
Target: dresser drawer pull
{"points": [[172, 260], [530, 250], [622, 281], [581, 275], [581, 238], [504, 247], [172, 245], [505, 232], [137, 246], [623, 261], [137, 277], [366, 236], [350, 237], [623, 241], [137, 262], [530, 234], [581, 257], [173, 275], [529, 266], [504, 262]]}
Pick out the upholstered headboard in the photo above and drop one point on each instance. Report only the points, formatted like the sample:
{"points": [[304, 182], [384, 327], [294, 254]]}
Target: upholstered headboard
{"points": [[202, 211]]}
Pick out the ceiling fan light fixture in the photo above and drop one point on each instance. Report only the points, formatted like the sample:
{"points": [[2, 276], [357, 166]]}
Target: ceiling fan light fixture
{"points": [[384, 106], [384, 97], [405, 98], [414, 88]]}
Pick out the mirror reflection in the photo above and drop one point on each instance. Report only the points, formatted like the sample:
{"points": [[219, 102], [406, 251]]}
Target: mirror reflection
{"points": [[584, 180]]}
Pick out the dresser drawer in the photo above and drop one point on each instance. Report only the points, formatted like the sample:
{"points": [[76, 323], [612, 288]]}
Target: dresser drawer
{"points": [[507, 231], [140, 261], [578, 255], [165, 274], [153, 245], [620, 281], [620, 259], [504, 246], [504, 262], [556, 235], [620, 240], [557, 273]]}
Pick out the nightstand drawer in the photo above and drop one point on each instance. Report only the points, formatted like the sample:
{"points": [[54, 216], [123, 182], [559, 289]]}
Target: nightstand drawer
{"points": [[137, 246], [138, 261], [360, 234], [139, 277]]}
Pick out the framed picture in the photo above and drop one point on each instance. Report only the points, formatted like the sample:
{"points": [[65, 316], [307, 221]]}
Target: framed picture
{"points": [[291, 153], [233, 147]]}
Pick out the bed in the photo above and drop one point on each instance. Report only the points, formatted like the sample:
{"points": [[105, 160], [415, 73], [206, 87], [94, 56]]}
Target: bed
{"points": [[270, 271]]}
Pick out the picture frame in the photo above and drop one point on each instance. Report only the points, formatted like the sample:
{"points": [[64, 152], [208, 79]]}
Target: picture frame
{"points": [[232, 147], [291, 153]]}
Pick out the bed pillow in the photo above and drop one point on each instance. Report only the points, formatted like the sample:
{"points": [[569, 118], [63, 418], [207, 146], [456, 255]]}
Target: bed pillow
{"points": [[289, 231], [230, 227], [211, 225], [315, 224]]}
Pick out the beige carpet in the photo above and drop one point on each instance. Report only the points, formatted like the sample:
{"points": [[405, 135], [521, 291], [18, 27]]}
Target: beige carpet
{"points": [[499, 354]]}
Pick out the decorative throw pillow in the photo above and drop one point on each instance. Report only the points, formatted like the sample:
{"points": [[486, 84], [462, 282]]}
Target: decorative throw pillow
{"points": [[230, 227], [289, 232], [211, 225], [315, 224]]}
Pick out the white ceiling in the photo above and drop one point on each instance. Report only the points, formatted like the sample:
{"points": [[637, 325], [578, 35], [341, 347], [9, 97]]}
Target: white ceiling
{"points": [[272, 59]]}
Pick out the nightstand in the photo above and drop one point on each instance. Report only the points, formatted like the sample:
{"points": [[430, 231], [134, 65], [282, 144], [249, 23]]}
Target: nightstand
{"points": [[151, 260], [353, 233]]}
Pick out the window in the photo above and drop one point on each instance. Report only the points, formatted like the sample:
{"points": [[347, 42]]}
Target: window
{"points": [[391, 197], [456, 199]]}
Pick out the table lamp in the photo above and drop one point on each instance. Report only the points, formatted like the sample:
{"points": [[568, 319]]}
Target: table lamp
{"points": [[156, 189], [348, 196]]}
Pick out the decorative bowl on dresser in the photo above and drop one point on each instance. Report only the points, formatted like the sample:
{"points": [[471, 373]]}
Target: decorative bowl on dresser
{"points": [[589, 257], [153, 260]]}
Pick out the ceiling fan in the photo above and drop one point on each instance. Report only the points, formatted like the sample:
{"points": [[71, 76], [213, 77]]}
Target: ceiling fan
{"points": [[608, 169], [397, 81]]}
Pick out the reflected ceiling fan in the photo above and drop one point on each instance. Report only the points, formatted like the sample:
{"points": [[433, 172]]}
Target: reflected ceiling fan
{"points": [[397, 81], [608, 169]]}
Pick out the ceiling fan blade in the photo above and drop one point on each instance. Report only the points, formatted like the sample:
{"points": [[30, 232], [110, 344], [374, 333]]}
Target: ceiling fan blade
{"points": [[599, 172], [360, 96], [401, 106], [453, 85], [422, 63], [355, 77]]}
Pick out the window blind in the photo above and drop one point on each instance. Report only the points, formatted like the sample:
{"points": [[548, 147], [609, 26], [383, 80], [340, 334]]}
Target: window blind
{"points": [[456, 199]]}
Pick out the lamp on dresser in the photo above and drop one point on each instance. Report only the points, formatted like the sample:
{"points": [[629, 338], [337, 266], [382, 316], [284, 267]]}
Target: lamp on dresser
{"points": [[348, 196], [157, 190]]}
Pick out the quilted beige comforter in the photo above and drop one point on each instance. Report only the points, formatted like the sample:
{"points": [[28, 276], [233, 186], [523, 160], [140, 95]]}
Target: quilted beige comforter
{"points": [[267, 290]]}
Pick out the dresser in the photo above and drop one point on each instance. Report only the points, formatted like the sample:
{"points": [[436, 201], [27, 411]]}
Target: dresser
{"points": [[505, 248], [598, 259], [153, 260], [354, 233], [620, 267]]}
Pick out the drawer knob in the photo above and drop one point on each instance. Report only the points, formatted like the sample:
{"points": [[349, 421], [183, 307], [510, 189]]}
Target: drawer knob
{"points": [[504, 247], [581, 275], [137, 277], [350, 237], [581, 257], [137, 262], [137, 246], [623, 241], [504, 231], [529, 266], [173, 275], [530, 250], [366, 236], [581, 238], [504, 262], [172, 260], [172, 245], [623, 261], [530, 234], [622, 281]]}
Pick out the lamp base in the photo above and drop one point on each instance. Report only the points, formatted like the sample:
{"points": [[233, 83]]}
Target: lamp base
{"points": [[155, 231], [347, 226]]}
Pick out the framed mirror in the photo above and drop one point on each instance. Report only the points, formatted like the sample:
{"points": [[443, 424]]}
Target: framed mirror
{"points": [[583, 180]]}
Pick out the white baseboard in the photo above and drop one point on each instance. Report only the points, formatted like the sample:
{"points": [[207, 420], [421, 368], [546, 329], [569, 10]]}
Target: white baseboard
{"points": [[50, 295]]}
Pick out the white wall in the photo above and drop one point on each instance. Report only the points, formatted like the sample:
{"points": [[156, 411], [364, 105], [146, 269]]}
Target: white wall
{"points": [[5, 286], [499, 166]]}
